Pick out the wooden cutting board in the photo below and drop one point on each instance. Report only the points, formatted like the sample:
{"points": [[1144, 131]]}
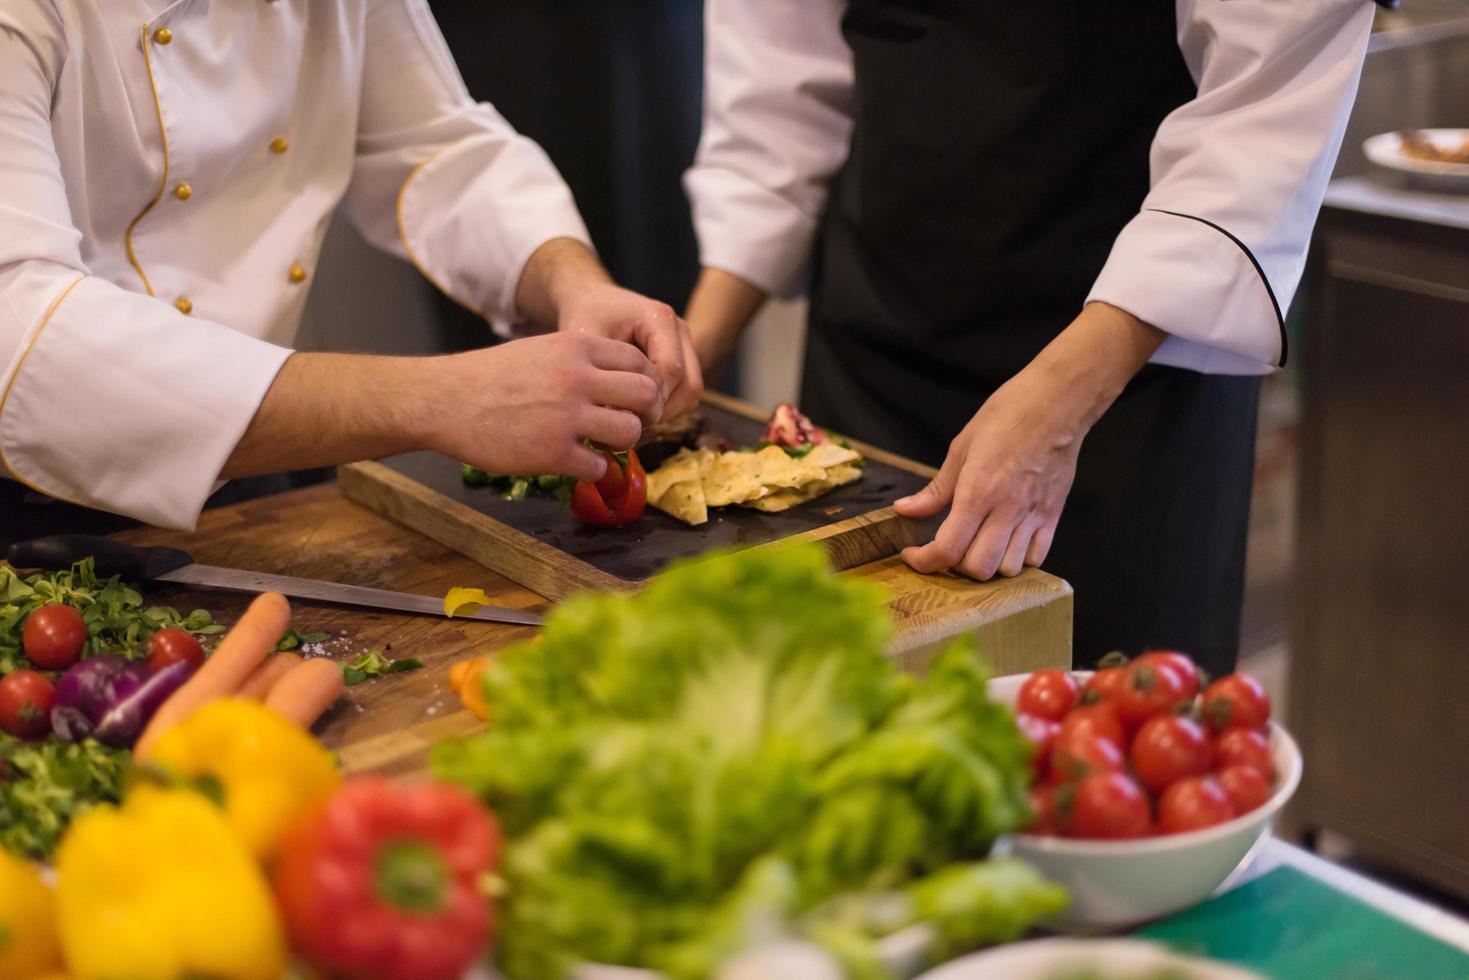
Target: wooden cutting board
{"points": [[539, 544]]}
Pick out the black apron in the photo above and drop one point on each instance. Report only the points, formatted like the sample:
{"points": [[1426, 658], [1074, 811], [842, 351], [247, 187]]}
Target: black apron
{"points": [[998, 150]]}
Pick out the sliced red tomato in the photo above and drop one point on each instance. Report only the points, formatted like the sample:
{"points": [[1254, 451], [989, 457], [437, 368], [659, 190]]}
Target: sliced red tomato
{"points": [[1104, 685], [1099, 719], [1246, 787], [1245, 747], [1108, 806], [1048, 693], [26, 697], [1169, 748], [1041, 733], [1182, 663], [1148, 690], [618, 498], [53, 636], [1193, 804], [1236, 701]]}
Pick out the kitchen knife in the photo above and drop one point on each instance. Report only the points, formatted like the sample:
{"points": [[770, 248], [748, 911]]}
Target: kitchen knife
{"points": [[172, 565]]}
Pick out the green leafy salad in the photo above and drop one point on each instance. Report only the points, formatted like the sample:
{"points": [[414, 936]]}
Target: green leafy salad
{"points": [[117, 621], [729, 758], [43, 784]]}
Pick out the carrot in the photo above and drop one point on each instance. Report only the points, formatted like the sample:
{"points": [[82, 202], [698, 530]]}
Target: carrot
{"points": [[263, 678], [247, 643], [307, 690]]}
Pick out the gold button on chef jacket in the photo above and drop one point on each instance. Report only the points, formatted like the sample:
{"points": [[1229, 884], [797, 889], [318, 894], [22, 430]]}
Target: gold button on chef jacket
{"points": [[112, 397]]}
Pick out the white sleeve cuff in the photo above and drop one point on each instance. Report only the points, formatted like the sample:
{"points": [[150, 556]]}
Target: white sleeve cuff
{"points": [[746, 229], [1194, 280], [123, 404], [471, 216]]}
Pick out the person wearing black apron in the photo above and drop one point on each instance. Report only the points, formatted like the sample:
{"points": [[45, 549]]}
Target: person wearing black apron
{"points": [[1023, 224]]}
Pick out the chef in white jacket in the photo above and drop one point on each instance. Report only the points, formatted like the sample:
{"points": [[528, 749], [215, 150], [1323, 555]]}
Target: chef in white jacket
{"points": [[167, 172], [1026, 224]]}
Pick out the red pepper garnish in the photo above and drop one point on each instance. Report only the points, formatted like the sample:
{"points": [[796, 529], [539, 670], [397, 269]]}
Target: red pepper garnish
{"points": [[385, 881], [616, 499]]}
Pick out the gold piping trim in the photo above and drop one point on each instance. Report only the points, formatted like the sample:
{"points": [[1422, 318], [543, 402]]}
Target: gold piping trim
{"points": [[403, 234], [127, 237], [5, 397]]}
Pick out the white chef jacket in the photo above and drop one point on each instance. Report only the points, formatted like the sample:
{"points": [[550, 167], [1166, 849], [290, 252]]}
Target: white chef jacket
{"points": [[1237, 174], [167, 172]]}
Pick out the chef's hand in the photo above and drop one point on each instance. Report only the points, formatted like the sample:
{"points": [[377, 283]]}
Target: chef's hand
{"points": [[525, 407], [1008, 472], [564, 286]]}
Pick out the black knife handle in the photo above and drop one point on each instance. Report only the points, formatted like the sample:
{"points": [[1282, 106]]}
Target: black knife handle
{"points": [[61, 551]]}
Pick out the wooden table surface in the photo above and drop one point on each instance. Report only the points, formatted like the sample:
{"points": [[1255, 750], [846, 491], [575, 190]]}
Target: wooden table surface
{"points": [[387, 725]]}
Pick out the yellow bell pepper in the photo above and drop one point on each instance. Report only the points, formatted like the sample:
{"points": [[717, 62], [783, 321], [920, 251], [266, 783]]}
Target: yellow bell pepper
{"points": [[268, 770], [162, 888], [28, 944]]}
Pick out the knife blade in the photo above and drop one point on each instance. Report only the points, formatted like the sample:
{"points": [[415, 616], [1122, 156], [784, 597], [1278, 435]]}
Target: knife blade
{"points": [[173, 565]]}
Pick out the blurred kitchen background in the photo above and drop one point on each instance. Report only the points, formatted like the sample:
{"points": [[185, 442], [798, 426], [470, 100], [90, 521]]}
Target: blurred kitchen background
{"points": [[1355, 611]]}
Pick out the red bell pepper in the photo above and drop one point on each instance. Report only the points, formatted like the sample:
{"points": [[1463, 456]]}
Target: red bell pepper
{"points": [[616, 499], [385, 882]]}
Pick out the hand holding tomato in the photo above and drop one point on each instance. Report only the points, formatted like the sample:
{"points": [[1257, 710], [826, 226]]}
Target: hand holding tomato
{"points": [[618, 498]]}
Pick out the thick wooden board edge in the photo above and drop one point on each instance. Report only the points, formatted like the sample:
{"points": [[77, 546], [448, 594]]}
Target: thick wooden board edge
{"points": [[545, 570]]}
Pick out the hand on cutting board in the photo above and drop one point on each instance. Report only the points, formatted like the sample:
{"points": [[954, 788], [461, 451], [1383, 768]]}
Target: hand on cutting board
{"points": [[565, 286], [1008, 472]]}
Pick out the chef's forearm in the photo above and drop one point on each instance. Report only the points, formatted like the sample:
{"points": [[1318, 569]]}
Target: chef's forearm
{"points": [[325, 409], [1093, 359], [557, 268], [720, 307]]}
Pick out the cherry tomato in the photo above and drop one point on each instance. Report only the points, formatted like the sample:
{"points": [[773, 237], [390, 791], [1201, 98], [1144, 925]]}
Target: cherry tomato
{"points": [[1193, 804], [171, 645], [1168, 748], [1246, 787], [618, 498], [1043, 811], [25, 704], [1243, 747], [1080, 754], [1236, 701], [1048, 693], [1148, 690], [1186, 669], [53, 636], [1109, 806], [1041, 733], [1104, 685], [1099, 719]]}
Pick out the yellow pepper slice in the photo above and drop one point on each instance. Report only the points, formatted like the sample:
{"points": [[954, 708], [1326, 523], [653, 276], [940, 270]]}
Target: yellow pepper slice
{"points": [[461, 600]]}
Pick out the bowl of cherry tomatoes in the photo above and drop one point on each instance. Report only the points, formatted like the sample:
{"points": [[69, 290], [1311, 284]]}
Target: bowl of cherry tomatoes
{"points": [[1149, 787]]}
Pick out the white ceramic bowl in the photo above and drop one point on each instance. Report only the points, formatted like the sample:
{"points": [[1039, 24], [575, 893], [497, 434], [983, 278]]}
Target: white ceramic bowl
{"points": [[1121, 883]]}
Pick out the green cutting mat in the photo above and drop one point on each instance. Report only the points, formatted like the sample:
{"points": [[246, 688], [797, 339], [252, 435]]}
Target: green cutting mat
{"points": [[1289, 926]]}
